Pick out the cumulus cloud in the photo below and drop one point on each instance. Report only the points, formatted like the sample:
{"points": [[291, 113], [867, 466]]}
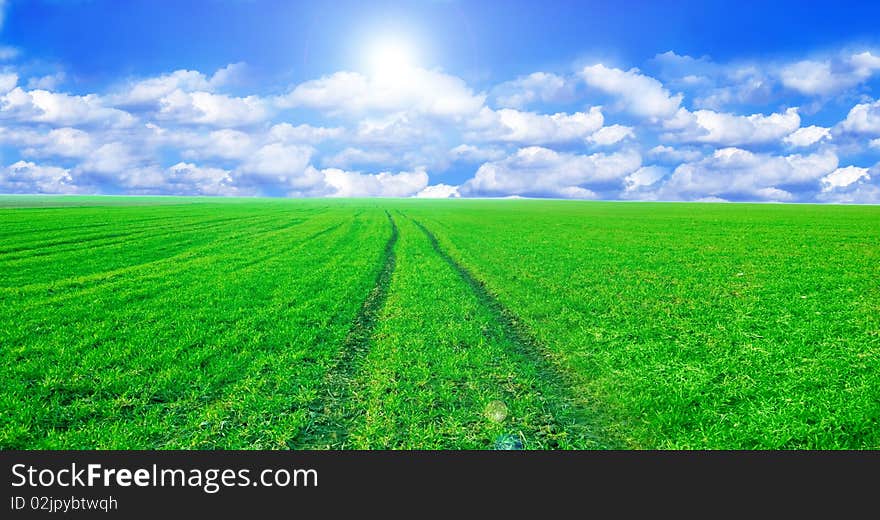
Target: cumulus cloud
{"points": [[58, 142], [537, 171], [109, 159], [63, 142], [708, 126], [385, 184], [304, 133], [643, 183], [190, 179], [644, 176], [182, 132], [42, 106], [824, 77], [439, 191], [737, 174], [471, 153], [394, 130], [715, 86], [419, 90], [536, 87], [218, 144], [278, 161], [843, 177], [609, 135], [28, 177], [636, 93], [356, 156], [229, 75], [718, 86], [8, 81], [851, 185], [669, 154], [856, 193], [863, 118], [514, 126], [47, 82], [808, 136], [205, 108], [151, 90]]}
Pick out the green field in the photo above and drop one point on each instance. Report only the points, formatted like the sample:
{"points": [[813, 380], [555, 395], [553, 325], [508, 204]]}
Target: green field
{"points": [[267, 323]]}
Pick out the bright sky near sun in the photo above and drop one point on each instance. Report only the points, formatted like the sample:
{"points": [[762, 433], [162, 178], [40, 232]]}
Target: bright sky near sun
{"points": [[746, 100]]}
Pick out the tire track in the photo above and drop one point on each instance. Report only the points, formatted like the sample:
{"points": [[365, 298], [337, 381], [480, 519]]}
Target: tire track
{"points": [[565, 410], [334, 410]]}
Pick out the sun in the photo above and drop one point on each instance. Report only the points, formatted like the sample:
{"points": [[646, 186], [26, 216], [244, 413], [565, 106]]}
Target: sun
{"points": [[391, 59]]}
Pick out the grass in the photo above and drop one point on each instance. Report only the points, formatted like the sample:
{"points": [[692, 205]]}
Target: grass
{"points": [[248, 323]]}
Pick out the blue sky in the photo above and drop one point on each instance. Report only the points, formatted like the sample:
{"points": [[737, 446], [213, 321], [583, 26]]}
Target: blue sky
{"points": [[747, 100]]}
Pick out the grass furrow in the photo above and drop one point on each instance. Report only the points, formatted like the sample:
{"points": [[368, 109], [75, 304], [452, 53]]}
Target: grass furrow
{"points": [[334, 413]]}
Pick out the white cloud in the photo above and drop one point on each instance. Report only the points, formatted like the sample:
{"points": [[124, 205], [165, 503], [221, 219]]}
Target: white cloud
{"points": [[538, 86], [190, 179], [843, 177], [220, 144], [48, 82], [808, 135], [471, 153], [715, 86], [58, 142], [644, 176], [707, 126], [829, 76], [509, 125], [419, 90], [278, 162], [576, 192], [856, 193], [109, 159], [8, 81], [28, 177], [678, 67], [64, 142], [304, 134], [542, 172], [355, 184], [356, 156], [743, 85], [151, 90], [228, 75], [405, 125], [673, 155], [638, 94], [394, 130], [439, 191], [863, 118], [212, 109], [732, 173], [42, 106], [813, 77], [613, 134]]}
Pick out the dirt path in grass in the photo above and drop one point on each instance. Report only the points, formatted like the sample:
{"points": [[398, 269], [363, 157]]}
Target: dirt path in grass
{"points": [[334, 410], [562, 409]]}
